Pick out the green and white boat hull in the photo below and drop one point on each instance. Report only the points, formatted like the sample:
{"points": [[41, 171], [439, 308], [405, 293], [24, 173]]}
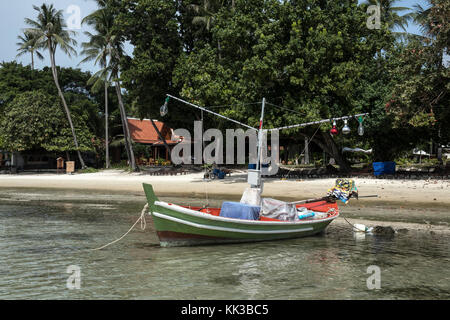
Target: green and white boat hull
{"points": [[180, 226]]}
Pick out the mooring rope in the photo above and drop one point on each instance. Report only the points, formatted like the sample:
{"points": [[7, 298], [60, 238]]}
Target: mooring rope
{"points": [[143, 226], [352, 225]]}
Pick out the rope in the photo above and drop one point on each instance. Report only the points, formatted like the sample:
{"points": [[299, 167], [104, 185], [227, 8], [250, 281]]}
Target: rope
{"points": [[284, 108], [352, 225], [143, 226], [206, 193]]}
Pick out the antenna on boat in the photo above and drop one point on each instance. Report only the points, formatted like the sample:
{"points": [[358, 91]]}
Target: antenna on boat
{"points": [[254, 175]]}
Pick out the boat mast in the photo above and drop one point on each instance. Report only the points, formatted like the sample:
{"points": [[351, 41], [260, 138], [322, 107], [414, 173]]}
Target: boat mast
{"points": [[260, 135], [254, 176]]}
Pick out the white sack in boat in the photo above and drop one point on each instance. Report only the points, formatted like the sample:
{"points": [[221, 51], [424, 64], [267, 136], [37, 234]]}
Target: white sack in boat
{"points": [[276, 209], [252, 196]]}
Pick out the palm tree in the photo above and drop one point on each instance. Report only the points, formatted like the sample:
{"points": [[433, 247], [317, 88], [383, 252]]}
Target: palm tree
{"points": [[97, 50], [421, 16], [390, 14], [102, 46], [206, 15], [27, 45], [50, 32]]}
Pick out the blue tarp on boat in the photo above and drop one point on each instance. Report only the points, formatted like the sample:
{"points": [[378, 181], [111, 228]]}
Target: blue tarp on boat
{"points": [[239, 210]]}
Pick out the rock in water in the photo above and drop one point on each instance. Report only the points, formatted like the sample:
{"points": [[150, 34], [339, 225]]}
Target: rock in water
{"points": [[380, 230]]}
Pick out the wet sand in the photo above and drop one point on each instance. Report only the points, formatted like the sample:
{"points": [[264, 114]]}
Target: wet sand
{"points": [[419, 205], [405, 192]]}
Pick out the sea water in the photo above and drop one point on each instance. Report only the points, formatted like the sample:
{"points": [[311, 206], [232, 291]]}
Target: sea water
{"points": [[45, 237]]}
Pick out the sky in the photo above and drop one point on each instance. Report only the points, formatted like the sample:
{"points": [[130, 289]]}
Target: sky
{"points": [[13, 13]]}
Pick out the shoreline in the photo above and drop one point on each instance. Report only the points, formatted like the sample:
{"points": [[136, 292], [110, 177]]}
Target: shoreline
{"points": [[412, 193], [399, 227], [400, 204]]}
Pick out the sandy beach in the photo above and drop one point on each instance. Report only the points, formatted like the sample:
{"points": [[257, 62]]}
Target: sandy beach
{"points": [[414, 205], [405, 192]]}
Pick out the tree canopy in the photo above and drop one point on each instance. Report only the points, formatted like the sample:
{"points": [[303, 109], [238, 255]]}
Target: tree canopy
{"points": [[310, 59], [35, 120]]}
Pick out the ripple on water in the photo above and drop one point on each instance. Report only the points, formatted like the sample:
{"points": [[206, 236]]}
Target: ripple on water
{"points": [[40, 239]]}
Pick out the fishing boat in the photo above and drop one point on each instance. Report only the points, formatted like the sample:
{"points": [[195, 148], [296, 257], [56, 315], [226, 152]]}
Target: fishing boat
{"points": [[178, 225], [253, 218]]}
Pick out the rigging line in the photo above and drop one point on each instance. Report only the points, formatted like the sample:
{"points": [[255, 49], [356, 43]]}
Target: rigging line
{"points": [[280, 107], [206, 189], [209, 111], [318, 122], [234, 105], [306, 146]]}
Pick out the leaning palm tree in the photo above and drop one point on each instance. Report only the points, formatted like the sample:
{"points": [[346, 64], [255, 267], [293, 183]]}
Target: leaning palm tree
{"points": [[51, 32], [27, 45], [102, 46]]}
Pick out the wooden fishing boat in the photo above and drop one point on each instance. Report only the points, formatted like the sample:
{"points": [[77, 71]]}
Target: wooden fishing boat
{"points": [[184, 225]]}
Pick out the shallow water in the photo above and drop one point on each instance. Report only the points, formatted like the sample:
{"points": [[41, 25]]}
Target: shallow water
{"points": [[42, 233]]}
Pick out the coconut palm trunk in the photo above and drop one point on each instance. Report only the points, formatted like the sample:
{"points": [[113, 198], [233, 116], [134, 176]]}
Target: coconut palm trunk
{"points": [[160, 136], [107, 165], [126, 130], [66, 108]]}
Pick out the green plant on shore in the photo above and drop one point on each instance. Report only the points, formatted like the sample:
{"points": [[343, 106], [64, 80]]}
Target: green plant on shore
{"points": [[88, 170]]}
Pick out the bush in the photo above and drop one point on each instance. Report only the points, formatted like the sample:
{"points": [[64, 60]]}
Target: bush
{"points": [[88, 170]]}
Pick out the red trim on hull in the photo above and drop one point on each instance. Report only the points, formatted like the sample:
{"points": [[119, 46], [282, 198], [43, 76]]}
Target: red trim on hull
{"points": [[175, 236]]}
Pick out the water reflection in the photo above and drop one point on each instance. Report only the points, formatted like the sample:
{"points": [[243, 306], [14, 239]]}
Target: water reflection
{"points": [[39, 238]]}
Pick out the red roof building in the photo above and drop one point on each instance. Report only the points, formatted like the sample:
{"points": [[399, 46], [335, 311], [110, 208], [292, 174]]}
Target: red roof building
{"points": [[142, 131]]}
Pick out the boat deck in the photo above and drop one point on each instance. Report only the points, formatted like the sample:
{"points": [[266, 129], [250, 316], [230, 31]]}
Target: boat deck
{"points": [[320, 206]]}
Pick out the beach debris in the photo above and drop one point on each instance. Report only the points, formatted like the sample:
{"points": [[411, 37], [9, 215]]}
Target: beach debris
{"points": [[385, 231], [358, 227], [359, 236]]}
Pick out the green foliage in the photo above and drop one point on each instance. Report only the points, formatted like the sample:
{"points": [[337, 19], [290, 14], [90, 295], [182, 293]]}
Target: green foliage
{"points": [[88, 170], [421, 90], [316, 59], [152, 28], [35, 120], [308, 56]]}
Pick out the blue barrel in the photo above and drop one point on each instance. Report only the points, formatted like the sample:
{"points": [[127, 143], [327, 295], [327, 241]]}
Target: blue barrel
{"points": [[380, 168]]}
